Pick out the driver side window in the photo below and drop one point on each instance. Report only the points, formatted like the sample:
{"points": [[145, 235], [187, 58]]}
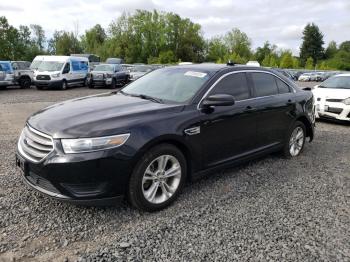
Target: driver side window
{"points": [[66, 68], [234, 84]]}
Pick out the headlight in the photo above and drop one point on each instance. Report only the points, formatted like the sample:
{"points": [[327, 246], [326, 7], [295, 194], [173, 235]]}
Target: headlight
{"points": [[109, 75], [81, 145], [346, 101], [55, 75]]}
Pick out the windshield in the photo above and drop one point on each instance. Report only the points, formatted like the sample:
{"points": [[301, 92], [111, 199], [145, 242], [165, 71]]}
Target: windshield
{"points": [[35, 64], [141, 69], [342, 82], [103, 68], [50, 66], [170, 84], [6, 67]]}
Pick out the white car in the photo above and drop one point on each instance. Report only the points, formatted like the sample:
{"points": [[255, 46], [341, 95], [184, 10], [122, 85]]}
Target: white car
{"points": [[332, 98]]}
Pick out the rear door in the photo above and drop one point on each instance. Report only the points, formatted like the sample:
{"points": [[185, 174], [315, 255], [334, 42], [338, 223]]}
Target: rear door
{"points": [[228, 132], [275, 104]]}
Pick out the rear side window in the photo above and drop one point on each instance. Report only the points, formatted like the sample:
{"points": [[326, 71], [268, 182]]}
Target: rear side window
{"points": [[282, 86], [235, 85], [265, 84]]}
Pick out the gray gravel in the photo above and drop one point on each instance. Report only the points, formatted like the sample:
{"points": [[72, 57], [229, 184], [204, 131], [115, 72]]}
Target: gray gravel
{"points": [[267, 210]]}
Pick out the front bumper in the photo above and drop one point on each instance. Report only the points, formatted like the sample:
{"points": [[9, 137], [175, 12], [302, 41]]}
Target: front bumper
{"points": [[48, 83], [92, 178], [101, 82], [333, 110]]}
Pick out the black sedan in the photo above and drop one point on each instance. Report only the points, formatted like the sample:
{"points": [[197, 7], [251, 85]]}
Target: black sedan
{"points": [[173, 124]]}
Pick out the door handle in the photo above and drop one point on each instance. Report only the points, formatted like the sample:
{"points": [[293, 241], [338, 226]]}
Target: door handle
{"points": [[290, 102], [248, 108]]}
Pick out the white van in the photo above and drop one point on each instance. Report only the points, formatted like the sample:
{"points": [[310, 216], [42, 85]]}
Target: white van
{"points": [[61, 72]]}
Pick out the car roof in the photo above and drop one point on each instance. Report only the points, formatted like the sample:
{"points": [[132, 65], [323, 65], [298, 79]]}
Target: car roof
{"points": [[213, 68]]}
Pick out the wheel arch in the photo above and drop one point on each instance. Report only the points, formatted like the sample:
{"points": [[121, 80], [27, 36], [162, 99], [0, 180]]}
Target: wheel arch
{"points": [[308, 126], [174, 141]]}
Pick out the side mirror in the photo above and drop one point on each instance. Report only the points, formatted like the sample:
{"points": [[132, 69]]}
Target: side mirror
{"points": [[218, 100]]}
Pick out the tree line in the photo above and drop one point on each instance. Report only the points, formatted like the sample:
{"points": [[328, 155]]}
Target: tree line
{"points": [[163, 37]]}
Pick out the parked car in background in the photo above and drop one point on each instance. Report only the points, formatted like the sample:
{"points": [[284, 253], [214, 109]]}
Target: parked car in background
{"points": [[93, 59], [17, 73], [61, 72], [2, 78], [139, 70], [171, 125], [306, 77], [333, 98], [111, 75], [253, 63], [114, 60]]}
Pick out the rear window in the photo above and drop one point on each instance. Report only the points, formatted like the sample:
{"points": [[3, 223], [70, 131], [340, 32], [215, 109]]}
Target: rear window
{"points": [[282, 86], [265, 84]]}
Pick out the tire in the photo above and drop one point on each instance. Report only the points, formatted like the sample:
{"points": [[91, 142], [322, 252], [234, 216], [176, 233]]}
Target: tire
{"points": [[139, 187], [3, 87], [91, 86], [39, 87], [113, 84], [64, 85], [85, 82], [293, 149], [25, 82]]}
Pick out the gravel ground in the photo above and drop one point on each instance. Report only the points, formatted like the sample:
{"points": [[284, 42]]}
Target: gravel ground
{"points": [[267, 210]]}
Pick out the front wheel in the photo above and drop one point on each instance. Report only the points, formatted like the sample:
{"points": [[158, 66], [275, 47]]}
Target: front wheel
{"points": [[64, 85], [295, 140], [25, 83], [157, 178], [113, 84]]}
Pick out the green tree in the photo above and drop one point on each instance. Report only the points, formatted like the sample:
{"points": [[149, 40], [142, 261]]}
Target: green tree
{"points": [[331, 50], [64, 43], [312, 45], [345, 46], [93, 39], [287, 60], [239, 43], [216, 49], [309, 63], [265, 52], [39, 38]]}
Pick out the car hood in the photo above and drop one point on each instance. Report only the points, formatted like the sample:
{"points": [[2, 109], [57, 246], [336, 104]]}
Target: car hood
{"points": [[101, 72], [98, 115], [336, 93]]}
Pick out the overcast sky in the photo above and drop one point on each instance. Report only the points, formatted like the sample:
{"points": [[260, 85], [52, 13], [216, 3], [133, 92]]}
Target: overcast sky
{"points": [[280, 22]]}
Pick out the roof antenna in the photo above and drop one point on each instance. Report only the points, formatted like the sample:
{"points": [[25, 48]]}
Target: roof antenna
{"points": [[230, 63]]}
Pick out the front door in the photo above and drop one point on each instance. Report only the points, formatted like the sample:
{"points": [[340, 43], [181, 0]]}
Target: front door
{"points": [[229, 132]]}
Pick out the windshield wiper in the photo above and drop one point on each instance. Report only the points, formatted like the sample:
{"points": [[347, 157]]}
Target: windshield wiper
{"points": [[151, 98]]}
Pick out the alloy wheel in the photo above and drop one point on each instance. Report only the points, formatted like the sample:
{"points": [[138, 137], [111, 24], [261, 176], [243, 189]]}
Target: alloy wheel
{"points": [[161, 179], [296, 141]]}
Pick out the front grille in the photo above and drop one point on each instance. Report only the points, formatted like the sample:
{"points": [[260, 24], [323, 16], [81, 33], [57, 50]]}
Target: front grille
{"points": [[334, 100], [98, 76], [39, 181], [34, 145], [43, 77], [334, 110]]}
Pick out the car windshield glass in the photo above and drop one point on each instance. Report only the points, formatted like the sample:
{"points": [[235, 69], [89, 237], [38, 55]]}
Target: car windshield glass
{"points": [[342, 82], [103, 68], [6, 67], [141, 69], [170, 84], [35, 64], [50, 66]]}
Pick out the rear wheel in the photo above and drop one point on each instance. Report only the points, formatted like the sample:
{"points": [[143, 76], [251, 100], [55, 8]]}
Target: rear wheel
{"points": [[295, 140], [3, 87], [39, 87], [158, 178]]}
